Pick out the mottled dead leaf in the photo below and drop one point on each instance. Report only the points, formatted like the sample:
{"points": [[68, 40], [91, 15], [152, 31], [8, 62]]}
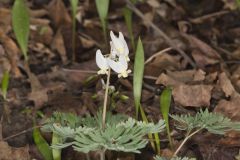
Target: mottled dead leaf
{"points": [[192, 95], [5, 20], [230, 108], [12, 52], [226, 85], [167, 80], [10, 153], [58, 44], [203, 47], [201, 59], [58, 13]]}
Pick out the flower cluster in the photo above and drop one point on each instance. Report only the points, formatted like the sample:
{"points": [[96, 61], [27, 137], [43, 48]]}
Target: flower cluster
{"points": [[118, 58]]}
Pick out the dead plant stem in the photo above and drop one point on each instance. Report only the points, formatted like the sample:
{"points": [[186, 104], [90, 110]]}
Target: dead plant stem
{"points": [[185, 140]]}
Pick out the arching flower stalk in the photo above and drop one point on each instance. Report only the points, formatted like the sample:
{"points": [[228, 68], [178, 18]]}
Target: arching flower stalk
{"points": [[117, 60]]}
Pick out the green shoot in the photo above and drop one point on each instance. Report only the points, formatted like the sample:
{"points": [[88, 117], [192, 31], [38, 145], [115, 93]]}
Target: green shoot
{"points": [[138, 75], [20, 21], [128, 19], [150, 136], [165, 103], [42, 145], [102, 8], [5, 82], [74, 4], [56, 152]]}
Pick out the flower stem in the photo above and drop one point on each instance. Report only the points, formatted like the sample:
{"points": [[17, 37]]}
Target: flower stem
{"points": [[105, 100], [185, 140], [102, 155]]}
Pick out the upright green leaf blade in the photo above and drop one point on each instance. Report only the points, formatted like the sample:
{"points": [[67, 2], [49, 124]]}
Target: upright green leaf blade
{"points": [[74, 4], [5, 81], [102, 8], [165, 103], [56, 152], [138, 75], [20, 21], [42, 145], [128, 19]]}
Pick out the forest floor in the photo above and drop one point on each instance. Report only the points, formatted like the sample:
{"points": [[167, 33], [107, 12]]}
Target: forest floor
{"points": [[208, 76]]}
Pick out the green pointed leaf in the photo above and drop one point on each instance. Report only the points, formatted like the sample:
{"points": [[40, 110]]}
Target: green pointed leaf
{"points": [[74, 4], [128, 19], [42, 145], [56, 152], [102, 8], [5, 81], [20, 21], [165, 103], [138, 75]]}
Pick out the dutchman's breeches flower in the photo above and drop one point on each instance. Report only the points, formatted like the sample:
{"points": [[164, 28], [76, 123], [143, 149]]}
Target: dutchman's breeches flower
{"points": [[119, 46], [118, 58], [101, 63]]}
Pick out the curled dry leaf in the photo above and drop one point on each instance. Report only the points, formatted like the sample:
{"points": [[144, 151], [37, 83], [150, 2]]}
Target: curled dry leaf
{"points": [[192, 95], [201, 59], [226, 85], [58, 44], [12, 52], [5, 20], [56, 7], [180, 77], [203, 47], [236, 79]]}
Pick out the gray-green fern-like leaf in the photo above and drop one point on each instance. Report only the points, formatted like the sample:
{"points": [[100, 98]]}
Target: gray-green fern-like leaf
{"points": [[213, 122], [174, 158], [86, 134]]}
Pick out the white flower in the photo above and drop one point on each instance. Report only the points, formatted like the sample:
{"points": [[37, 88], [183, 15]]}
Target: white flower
{"points": [[120, 67], [119, 46], [101, 63]]}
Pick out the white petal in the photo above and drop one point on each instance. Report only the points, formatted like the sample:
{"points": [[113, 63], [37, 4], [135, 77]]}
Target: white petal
{"points": [[117, 42], [124, 43], [101, 61], [123, 61], [116, 66], [113, 50]]}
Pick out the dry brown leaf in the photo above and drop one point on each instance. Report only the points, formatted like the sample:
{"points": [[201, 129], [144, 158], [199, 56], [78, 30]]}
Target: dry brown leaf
{"points": [[162, 62], [192, 95], [41, 34], [226, 84], [58, 44], [167, 80], [203, 47], [236, 79], [58, 13], [180, 77], [201, 59], [10, 153], [5, 20], [230, 108], [12, 52]]}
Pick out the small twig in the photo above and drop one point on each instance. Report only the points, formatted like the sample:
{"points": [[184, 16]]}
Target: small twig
{"points": [[208, 16], [185, 140], [156, 55], [20, 133], [160, 32]]}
